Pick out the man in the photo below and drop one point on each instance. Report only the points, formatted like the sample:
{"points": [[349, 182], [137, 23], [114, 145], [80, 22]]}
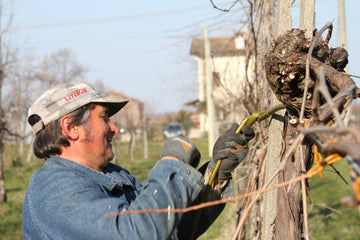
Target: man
{"points": [[77, 186]]}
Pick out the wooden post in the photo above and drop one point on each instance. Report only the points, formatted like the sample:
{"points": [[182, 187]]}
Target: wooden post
{"points": [[269, 205], [342, 25], [212, 129], [307, 17], [307, 21]]}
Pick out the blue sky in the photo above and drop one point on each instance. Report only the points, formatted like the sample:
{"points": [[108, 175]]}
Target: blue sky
{"points": [[142, 48]]}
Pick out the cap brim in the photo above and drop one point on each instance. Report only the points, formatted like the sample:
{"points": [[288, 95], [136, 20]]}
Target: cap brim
{"points": [[114, 105]]}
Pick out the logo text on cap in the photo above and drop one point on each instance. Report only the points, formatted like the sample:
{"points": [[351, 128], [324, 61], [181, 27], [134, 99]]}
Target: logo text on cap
{"points": [[76, 94]]}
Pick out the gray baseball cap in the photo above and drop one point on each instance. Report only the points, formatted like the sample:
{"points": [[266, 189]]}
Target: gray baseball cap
{"points": [[64, 98]]}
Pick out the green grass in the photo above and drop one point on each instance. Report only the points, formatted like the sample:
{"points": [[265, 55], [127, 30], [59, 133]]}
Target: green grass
{"points": [[327, 218], [17, 175]]}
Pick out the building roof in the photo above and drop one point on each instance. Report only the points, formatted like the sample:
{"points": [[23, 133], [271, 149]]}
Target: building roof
{"points": [[220, 46]]}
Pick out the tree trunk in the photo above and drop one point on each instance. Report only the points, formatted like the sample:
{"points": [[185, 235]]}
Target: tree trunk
{"points": [[2, 177], [2, 127], [144, 131], [2, 122], [30, 151], [132, 145], [132, 142], [289, 214]]}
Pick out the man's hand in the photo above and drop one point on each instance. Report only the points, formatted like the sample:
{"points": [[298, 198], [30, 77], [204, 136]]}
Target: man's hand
{"points": [[231, 148], [181, 149]]}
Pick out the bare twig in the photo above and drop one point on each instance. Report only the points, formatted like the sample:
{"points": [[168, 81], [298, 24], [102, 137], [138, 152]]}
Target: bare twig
{"points": [[304, 199], [328, 36], [10, 133], [315, 103], [207, 204], [326, 206], [322, 129], [256, 179], [307, 70], [355, 76], [221, 9], [325, 92], [339, 174]]}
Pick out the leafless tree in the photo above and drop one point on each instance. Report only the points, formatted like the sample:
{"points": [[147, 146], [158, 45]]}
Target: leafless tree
{"points": [[60, 67], [7, 57], [18, 97], [101, 88]]}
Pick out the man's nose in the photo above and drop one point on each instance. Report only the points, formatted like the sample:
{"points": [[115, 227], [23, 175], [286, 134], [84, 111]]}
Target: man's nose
{"points": [[114, 129]]}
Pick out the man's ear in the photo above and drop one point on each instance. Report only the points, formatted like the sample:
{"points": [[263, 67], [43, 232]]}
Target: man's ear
{"points": [[71, 131]]}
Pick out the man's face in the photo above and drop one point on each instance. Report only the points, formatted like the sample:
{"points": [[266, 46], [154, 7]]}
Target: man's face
{"points": [[97, 137]]}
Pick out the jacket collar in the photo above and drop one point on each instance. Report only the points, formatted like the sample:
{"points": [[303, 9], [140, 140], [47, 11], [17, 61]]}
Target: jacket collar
{"points": [[111, 176]]}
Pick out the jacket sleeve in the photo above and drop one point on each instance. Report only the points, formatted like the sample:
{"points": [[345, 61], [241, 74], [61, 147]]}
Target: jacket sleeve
{"points": [[207, 215], [77, 211]]}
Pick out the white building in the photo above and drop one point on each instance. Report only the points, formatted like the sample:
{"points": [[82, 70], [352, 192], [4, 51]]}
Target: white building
{"points": [[228, 64]]}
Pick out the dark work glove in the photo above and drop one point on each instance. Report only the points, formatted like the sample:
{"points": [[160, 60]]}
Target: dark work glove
{"points": [[181, 149], [231, 148]]}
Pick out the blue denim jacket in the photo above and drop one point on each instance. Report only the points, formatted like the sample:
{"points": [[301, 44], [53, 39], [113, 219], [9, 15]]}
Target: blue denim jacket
{"points": [[66, 200]]}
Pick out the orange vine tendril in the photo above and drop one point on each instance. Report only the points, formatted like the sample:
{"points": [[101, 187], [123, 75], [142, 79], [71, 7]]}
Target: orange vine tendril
{"points": [[319, 162]]}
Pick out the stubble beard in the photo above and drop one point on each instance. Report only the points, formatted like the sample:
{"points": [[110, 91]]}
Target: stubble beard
{"points": [[89, 139]]}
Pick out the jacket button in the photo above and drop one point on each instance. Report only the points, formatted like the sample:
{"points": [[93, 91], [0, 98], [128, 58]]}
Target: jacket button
{"points": [[188, 171]]}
